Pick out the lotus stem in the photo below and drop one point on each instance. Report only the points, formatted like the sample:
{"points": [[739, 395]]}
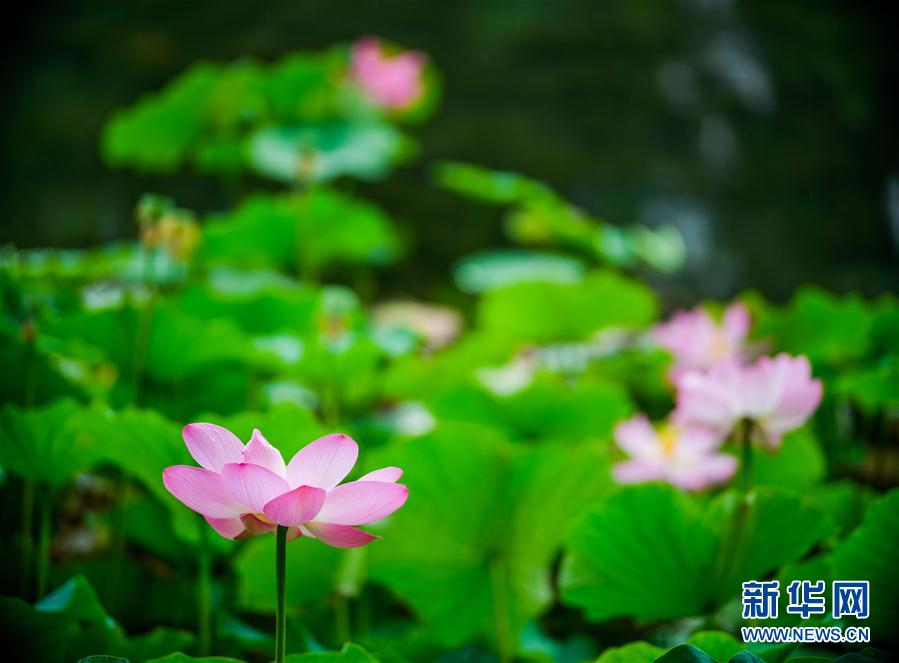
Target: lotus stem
{"points": [[27, 534], [123, 491], [43, 567], [144, 329], [504, 639], [280, 613], [744, 439], [28, 486], [342, 619]]}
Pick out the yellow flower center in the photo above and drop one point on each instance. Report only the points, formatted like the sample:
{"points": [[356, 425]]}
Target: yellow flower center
{"points": [[719, 346], [667, 439]]}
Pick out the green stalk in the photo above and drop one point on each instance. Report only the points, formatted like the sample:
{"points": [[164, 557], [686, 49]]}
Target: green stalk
{"points": [[348, 582], [280, 614], [29, 330], [123, 490], [27, 534], [733, 545], [342, 619], [144, 328], [744, 439], [28, 486], [504, 640], [363, 612], [204, 592], [43, 568]]}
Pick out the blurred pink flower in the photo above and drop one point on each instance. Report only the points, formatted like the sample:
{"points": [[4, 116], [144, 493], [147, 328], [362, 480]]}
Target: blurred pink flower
{"points": [[683, 456], [390, 81], [777, 394], [246, 490], [698, 342]]}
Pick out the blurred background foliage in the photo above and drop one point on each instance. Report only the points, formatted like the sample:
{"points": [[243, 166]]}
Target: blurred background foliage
{"points": [[760, 130], [464, 284]]}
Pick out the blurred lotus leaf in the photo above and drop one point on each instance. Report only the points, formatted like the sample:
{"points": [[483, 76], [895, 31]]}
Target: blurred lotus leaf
{"points": [[779, 526], [178, 657], [311, 578], [44, 444], [204, 114], [177, 343], [39, 375], [688, 653], [823, 326], [544, 312], [540, 217], [544, 408], [613, 567], [141, 443], [161, 354], [716, 645], [553, 222], [874, 388], [305, 232], [632, 652], [868, 553], [318, 153], [799, 463], [493, 525], [661, 248], [885, 326], [266, 308], [491, 270], [106, 273], [160, 131], [488, 185], [43, 376], [70, 623], [349, 654]]}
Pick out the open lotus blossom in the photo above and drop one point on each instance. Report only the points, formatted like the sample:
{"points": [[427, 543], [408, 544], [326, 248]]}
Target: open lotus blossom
{"points": [[776, 394], [698, 342], [683, 456], [245, 490], [390, 81]]}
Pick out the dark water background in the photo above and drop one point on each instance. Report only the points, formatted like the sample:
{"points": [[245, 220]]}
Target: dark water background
{"points": [[764, 130]]}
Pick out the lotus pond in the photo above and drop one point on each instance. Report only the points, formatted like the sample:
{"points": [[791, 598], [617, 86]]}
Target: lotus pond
{"points": [[222, 440]]}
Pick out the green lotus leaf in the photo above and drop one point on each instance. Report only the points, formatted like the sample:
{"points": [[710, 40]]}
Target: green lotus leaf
{"points": [[493, 517], [487, 185], [632, 652], [868, 553], [652, 552], [305, 232], [44, 444], [322, 152], [490, 270], [544, 312]]}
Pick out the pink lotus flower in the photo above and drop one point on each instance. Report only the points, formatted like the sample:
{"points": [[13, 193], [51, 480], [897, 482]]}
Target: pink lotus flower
{"points": [[389, 81], [682, 456], [698, 342], [247, 490], [777, 394]]}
